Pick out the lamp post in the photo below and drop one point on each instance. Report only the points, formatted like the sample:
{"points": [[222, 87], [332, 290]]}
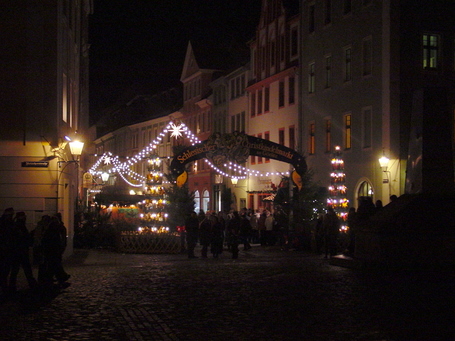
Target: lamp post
{"points": [[76, 150], [384, 164]]}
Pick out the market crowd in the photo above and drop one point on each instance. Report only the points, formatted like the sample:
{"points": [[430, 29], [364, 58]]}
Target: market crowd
{"points": [[48, 242]]}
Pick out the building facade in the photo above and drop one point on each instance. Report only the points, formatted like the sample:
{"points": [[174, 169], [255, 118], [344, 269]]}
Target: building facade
{"points": [[44, 88], [366, 65]]}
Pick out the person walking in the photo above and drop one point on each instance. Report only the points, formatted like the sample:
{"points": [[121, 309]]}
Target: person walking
{"points": [[22, 241], [6, 247], [192, 232]]}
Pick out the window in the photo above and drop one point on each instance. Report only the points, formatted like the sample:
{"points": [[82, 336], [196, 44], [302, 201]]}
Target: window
{"points": [[253, 104], [266, 99], [267, 137], [281, 136], [328, 71], [311, 19], [311, 79], [282, 47], [292, 137], [205, 200], [272, 53], [237, 86], [347, 131], [259, 102], [311, 139], [347, 7], [365, 190], [197, 201], [291, 90], [260, 157], [366, 128], [232, 88], [328, 135], [430, 51], [294, 41], [347, 65], [232, 123], [327, 12], [367, 56], [281, 94]]}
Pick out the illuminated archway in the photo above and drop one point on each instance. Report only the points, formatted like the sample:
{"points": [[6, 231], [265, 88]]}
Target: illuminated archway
{"points": [[235, 147]]}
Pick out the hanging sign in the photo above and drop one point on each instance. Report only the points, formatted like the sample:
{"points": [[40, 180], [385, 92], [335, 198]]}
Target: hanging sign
{"points": [[39, 164], [235, 147], [87, 180]]}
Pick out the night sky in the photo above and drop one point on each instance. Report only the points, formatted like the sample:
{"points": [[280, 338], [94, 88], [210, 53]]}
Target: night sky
{"points": [[141, 44]]}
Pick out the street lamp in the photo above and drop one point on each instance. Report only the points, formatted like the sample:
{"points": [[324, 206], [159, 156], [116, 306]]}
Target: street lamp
{"points": [[384, 163], [76, 148], [105, 177], [234, 181]]}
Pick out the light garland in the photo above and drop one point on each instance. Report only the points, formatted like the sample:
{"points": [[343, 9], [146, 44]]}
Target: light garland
{"points": [[123, 169]]}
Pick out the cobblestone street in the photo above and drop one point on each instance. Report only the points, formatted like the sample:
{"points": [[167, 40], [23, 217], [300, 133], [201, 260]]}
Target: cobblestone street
{"points": [[266, 294]]}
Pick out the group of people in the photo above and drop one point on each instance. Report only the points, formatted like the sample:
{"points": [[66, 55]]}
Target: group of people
{"points": [[328, 225], [214, 230], [48, 241]]}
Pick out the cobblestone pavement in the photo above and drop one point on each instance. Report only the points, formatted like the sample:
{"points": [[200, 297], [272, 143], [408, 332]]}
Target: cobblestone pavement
{"points": [[266, 294]]}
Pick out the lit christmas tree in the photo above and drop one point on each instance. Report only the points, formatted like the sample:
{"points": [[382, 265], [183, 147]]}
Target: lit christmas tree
{"points": [[155, 214], [337, 189]]}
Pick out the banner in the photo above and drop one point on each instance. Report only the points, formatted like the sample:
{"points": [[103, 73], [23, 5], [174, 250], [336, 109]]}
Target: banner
{"points": [[236, 147]]}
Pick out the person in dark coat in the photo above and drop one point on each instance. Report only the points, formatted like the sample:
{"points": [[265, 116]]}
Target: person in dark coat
{"points": [[217, 237], [22, 241], [245, 231], [205, 235], [331, 231], [234, 230], [6, 247], [52, 246], [192, 232]]}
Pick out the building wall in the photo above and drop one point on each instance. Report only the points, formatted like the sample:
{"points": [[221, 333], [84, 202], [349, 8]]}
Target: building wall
{"points": [[41, 44]]}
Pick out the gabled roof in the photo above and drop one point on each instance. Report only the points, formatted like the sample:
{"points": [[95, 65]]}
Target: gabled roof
{"points": [[213, 56]]}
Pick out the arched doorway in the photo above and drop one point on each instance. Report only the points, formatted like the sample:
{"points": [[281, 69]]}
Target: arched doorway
{"points": [[365, 189]]}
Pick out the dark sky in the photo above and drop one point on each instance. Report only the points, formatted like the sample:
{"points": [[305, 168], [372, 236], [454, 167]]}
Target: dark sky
{"points": [[142, 43]]}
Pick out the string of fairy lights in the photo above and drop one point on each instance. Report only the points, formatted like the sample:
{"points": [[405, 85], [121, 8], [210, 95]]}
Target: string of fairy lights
{"points": [[134, 179]]}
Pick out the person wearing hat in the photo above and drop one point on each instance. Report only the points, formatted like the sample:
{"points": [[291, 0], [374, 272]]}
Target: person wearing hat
{"points": [[6, 247], [22, 241]]}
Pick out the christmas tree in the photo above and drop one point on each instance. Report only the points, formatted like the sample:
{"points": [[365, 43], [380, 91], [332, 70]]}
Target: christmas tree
{"points": [[337, 189]]}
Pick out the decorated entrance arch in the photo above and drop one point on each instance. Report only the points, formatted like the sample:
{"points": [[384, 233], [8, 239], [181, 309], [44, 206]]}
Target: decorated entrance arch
{"points": [[236, 147]]}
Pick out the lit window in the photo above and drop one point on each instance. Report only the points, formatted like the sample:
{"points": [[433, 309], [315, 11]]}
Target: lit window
{"points": [[311, 79], [311, 139], [430, 51], [347, 131]]}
